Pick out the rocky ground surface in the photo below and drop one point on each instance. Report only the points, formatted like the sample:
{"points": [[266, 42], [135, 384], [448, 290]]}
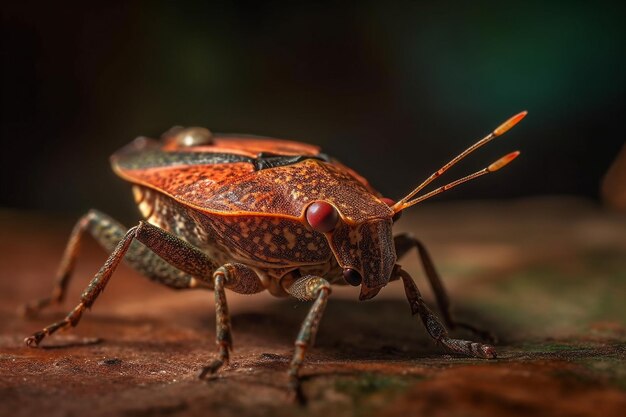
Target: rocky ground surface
{"points": [[547, 276]]}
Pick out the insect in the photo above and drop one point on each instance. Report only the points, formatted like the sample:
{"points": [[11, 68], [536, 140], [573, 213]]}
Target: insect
{"points": [[251, 214]]}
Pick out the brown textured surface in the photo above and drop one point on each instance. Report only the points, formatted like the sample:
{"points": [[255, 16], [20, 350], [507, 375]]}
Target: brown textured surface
{"points": [[549, 277]]}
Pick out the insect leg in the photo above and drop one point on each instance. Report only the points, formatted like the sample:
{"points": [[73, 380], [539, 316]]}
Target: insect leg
{"points": [[405, 242], [108, 233], [177, 252], [66, 266], [435, 328], [238, 278], [307, 288]]}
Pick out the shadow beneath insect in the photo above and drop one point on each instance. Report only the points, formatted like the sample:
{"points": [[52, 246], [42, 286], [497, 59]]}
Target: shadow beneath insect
{"points": [[350, 329], [380, 329]]}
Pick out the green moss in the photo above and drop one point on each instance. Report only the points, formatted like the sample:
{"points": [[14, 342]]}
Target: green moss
{"points": [[550, 300], [611, 368]]}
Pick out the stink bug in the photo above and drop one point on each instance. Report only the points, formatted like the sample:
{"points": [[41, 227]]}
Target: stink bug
{"points": [[250, 214]]}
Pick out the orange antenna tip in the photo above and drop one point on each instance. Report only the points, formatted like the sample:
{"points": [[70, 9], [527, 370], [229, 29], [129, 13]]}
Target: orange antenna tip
{"points": [[500, 163], [504, 127]]}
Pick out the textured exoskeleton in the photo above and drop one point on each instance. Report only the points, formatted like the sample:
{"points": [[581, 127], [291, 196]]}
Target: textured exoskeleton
{"points": [[250, 214]]}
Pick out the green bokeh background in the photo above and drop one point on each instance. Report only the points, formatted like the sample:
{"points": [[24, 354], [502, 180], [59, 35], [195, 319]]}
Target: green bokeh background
{"points": [[392, 89]]}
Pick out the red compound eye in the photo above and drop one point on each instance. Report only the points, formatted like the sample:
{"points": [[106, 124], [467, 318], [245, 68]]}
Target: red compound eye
{"points": [[390, 203], [322, 217]]}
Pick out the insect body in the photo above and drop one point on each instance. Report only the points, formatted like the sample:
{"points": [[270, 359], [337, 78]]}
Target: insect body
{"points": [[251, 214]]}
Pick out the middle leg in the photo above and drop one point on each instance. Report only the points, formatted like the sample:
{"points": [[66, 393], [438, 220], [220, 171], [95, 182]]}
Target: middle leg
{"points": [[240, 279]]}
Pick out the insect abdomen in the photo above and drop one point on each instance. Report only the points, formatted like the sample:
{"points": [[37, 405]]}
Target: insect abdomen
{"points": [[166, 213]]}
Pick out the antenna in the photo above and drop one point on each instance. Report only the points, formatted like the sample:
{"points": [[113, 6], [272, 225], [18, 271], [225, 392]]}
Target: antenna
{"points": [[500, 163], [499, 131]]}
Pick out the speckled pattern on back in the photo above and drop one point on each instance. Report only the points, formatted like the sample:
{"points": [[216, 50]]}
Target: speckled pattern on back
{"points": [[235, 188]]}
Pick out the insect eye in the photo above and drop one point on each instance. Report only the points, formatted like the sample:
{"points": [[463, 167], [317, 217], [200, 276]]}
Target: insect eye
{"points": [[390, 203], [322, 217], [352, 277]]}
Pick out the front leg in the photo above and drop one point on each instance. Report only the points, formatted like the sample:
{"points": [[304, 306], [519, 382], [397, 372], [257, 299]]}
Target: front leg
{"points": [[435, 328], [405, 242], [307, 288]]}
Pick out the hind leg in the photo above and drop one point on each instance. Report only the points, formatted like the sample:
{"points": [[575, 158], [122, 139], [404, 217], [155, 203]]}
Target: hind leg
{"points": [[405, 242], [168, 248], [108, 233]]}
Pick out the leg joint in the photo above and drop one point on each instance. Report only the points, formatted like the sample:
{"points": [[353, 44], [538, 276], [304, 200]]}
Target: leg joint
{"points": [[309, 288], [240, 278]]}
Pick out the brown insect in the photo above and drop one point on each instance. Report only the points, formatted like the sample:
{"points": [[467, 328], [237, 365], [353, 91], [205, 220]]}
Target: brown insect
{"points": [[250, 214]]}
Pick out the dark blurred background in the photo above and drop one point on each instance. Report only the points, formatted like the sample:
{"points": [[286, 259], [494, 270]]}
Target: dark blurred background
{"points": [[393, 89]]}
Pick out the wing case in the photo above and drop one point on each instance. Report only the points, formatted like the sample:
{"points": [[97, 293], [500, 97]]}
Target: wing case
{"points": [[240, 175]]}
